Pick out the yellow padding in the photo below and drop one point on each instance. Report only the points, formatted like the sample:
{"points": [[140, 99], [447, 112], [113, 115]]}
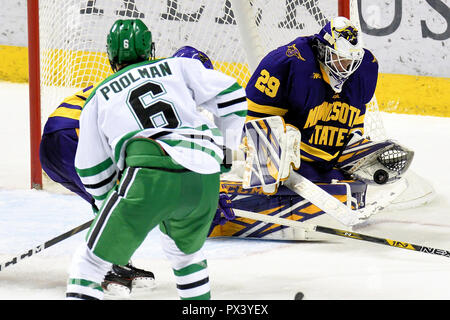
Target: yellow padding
{"points": [[94, 61], [395, 92], [239, 71], [14, 64], [414, 94]]}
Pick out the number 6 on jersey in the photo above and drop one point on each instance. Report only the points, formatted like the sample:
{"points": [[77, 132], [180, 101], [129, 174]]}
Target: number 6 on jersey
{"points": [[149, 109]]}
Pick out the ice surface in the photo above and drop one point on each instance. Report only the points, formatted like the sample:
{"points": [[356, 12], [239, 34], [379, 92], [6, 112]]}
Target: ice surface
{"points": [[342, 269]]}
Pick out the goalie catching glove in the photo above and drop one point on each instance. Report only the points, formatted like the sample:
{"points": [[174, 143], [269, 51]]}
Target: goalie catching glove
{"points": [[375, 162]]}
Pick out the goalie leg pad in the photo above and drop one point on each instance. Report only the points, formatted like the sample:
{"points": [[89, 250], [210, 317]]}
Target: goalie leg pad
{"points": [[285, 204]]}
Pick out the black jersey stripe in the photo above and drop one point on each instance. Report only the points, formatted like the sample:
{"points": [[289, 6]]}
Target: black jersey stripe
{"points": [[101, 183], [101, 220], [125, 182], [231, 102], [193, 284], [80, 296]]}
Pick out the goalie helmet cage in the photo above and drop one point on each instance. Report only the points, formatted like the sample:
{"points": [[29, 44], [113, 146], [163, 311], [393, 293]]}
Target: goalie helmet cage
{"points": [[67, 42]]}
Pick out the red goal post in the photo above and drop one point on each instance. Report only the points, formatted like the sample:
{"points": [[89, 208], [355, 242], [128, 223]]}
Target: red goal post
{"points": [[34, 92], [75, 30]]}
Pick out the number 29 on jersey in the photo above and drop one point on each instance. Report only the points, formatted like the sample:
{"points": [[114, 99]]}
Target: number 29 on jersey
{"points": [[267, 84]]}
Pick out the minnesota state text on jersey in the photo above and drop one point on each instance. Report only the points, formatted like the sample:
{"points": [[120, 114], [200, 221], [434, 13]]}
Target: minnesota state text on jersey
{"points": [[289, 82]]}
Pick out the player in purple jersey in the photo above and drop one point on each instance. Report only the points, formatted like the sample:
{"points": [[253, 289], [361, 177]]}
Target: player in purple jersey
{"points": [[59, 144], [321, 85], [57, 154]]}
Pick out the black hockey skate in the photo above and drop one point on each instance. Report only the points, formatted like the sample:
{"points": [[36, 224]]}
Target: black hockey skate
{"points": [[120, 281], [116, 286]]}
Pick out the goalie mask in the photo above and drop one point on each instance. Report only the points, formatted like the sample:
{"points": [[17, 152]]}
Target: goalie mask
{"points": [[339, 50], [191, 52], [128, 42]]}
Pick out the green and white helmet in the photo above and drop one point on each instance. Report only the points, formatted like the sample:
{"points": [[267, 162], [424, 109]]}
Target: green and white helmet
{"points": [[128, 42]]}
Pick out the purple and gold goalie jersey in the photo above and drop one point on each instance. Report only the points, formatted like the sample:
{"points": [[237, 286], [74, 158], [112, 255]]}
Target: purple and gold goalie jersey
{"points": [[289, 82], [67, 114]]}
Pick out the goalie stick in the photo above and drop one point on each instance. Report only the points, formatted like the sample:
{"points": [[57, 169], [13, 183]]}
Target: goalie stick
{"points": [[337, 209], [45, 245], [340, 233]]}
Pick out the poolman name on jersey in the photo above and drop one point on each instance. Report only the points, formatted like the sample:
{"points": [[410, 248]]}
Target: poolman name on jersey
{"points": [[125, 80]]}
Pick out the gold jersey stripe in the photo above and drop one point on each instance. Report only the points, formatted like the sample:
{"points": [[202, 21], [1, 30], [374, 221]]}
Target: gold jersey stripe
{"points": [[66, 113], [317, 152], [274, 111]]}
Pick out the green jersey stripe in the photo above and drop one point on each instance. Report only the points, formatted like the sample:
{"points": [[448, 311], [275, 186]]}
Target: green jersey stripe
{"points": [[233, 88], [101, 197], [190, 269], [86, 283], [122, 140], [242, 114], [95, 169], [206, 296]]}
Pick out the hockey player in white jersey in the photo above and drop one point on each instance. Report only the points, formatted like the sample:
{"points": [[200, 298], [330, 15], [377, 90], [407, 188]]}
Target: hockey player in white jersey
{"points": [[141, 126]]}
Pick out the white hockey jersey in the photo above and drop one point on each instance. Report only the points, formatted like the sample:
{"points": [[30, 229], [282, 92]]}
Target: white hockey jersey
{"points": [[159, 99]]}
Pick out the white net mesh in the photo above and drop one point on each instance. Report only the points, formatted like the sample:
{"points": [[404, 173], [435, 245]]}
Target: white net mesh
{"points": [[373, 123], [73, 37]]}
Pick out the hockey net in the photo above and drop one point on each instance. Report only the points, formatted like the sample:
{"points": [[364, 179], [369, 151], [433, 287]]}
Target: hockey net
{"points": [[235, 34], [73, 37]]}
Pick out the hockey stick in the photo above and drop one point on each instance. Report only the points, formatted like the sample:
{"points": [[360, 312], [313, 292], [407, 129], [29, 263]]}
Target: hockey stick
{"points": [[332, 206], [340, 233], [45, 245]]}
